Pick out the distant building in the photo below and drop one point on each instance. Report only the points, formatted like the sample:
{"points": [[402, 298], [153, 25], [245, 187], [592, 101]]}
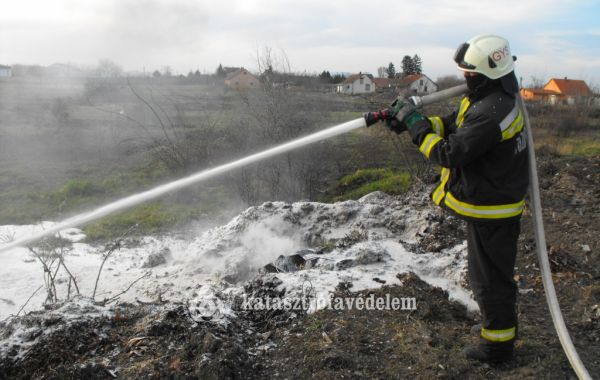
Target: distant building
{"points": [[5, 71], [540, 95], [566, 91], [356, 84], [64, 70], [419, 84], [411, 84], [241, 79], [382, 84]]}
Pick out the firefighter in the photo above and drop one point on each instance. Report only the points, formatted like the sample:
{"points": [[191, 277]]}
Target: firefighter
{"points": [[481, 149]]}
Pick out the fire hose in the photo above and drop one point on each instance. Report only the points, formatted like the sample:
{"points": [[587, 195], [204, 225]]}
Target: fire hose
{"points": [[540, 242]]}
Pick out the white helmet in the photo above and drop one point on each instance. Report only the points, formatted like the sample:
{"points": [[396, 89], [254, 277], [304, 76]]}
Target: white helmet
{"points": [[488, 55]]}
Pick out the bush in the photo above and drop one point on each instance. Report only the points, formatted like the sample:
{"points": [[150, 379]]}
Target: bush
{"points": [[80, 188], [151, 218], [365, 181]]}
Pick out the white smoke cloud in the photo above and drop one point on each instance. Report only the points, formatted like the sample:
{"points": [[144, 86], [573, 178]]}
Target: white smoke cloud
{"points": [[267, 240]]}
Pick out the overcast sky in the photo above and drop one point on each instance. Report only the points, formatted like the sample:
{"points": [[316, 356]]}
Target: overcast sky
{"points": [[551, 38]]}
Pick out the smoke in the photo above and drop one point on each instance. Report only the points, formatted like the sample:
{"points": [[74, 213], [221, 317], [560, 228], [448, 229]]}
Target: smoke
{"points": [[259, 245], [235, 252], [267, 240]]}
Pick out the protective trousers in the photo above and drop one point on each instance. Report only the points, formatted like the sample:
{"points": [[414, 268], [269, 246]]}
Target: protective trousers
{"points": [[492, 251]]}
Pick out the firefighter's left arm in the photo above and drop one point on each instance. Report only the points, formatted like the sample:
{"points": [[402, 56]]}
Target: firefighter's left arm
{"points": [[443, 126], [476, 136]]}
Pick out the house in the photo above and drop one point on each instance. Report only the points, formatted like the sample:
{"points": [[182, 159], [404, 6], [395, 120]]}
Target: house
{"points": [[5, 71], [539, 95], [382, 84], [356, 84], [566, 91], [419, 84], [241, 79], [64, 70]]}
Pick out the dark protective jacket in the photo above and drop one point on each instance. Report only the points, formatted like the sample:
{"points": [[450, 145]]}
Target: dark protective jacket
{"points": [[482, 149]]}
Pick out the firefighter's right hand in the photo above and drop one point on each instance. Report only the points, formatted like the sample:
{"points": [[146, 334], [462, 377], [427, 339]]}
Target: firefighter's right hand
{"points": [[405, 112], [396, 125], [377, 116]]}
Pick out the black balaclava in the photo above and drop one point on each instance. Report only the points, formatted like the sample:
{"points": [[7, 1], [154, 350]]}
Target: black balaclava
{"points": [[480, 84], [476, 82]]}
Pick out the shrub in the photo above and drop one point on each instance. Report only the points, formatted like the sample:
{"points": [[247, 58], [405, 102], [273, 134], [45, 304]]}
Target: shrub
{"points": [[150, 218], [81, 188], [365, 181]]}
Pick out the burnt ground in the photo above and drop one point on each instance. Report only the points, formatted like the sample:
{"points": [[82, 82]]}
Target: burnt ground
{"points": [[162, 341]]}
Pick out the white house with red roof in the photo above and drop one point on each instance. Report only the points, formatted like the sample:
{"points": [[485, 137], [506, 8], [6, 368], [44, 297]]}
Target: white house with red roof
{"points": [[418, 84], [361, 83], [356, 84]]}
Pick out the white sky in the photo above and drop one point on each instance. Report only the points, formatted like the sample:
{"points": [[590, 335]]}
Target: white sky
{"points": [[551, 38]]}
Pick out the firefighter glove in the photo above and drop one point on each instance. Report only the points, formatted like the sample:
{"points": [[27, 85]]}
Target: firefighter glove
{"points": [[405, 112]]}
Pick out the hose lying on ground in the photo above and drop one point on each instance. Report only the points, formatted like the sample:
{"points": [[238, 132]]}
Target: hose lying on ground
{"points": [[538, 227], [542, 253]]}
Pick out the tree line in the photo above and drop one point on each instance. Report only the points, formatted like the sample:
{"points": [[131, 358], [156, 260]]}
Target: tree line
{"points": [[409, 65]]}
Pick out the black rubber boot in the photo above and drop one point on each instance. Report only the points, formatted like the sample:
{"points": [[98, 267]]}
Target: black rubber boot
{"points": [[484, 354]]}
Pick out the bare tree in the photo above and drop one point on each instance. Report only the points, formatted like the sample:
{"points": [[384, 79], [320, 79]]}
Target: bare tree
{"points": [[167, 71], [108, 69], [536, 82], [449, 81], [276, 113], [50, 252], [110, 249], [177, 141]]}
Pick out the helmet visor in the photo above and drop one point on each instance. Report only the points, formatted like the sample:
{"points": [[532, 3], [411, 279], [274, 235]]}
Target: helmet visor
{"points": [[459, 57]]}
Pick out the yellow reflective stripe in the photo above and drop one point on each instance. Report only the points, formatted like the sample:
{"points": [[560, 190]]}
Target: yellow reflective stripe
{"points": [[438, 125], [439, 192], [499, 335], [484, 212], [515, 127], [464, 106], [428, 143]]}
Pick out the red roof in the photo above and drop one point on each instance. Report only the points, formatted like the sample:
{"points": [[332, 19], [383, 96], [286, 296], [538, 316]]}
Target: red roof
{"points": [[242, 70], [354, 77], [407, 80], [569, 87], [384, 82]]}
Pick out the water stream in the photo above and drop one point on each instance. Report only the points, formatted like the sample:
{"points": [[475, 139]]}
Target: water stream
{"points": [[133, 200]]}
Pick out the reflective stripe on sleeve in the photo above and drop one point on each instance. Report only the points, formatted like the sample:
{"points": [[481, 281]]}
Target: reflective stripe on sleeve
{"points": [[484, 212], [464, 106], [438, 125], [440, 191], [499, 335], [515, 126], [428, 143], [513, 114]]}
